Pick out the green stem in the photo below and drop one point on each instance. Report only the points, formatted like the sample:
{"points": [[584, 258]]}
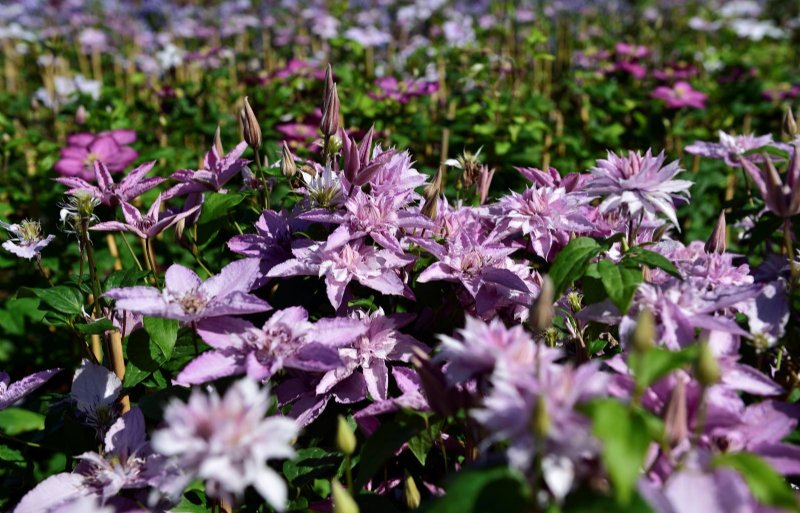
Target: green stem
{"points": [[130, 250], [92, 268], [787, 242], [264, 195], [348, 473]]}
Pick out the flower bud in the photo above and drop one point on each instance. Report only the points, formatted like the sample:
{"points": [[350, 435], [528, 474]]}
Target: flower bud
{"points": [[540, 419], [676, 419], [707, 371], [81, 115], [288, 165], [542, 310], [661, 231], [345, 439], [218, 142], [789, 123], [342, 501], [575, 299], [716, 242], [413, 497], [643, 336], [250, 127], [330, 113]]}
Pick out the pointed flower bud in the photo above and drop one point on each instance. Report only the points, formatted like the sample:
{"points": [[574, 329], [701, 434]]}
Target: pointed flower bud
{"points": [[250, 127], [676, 420], [707, 371], [540, 419], [643, 337], [342, 501], [330, 113], [789, 123], [716, 242], [345, 439], [218, 142], [542, 310], [288, 165], [81, 115], [413, 497]]}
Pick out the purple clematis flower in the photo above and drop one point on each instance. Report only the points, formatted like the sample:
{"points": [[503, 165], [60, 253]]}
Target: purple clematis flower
{"points": [[188, 299], [680, 95], [10, 393], [94, 393], [731, 148], [147, 226], [272, 242], [217, 171], [85, 149], [376, 269], [287, 340], [782, 198], [27, 240], [112, 194]]}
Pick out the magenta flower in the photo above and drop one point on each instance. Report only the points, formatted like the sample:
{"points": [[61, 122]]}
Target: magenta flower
{"points": [[226, 441], [402, 91], [84, 149], [10, 393], [638, 184], [376, 269], [147, 226], [188, 299], [26, 239], [217, 171], [287, 340], [109, 193], [680, 95]]}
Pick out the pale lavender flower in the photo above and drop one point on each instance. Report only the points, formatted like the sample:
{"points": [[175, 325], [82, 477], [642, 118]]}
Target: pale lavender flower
{"points": [[731, 148], [226, 441], [188, 299], [376, 269], [217, 171], [109, 193], [324, 188], [287, 340], [26, 239], [147, 226], [10, 393], [638, 183], [94, 392]]}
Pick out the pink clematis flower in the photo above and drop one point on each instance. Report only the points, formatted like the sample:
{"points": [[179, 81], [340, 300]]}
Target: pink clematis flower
{"points": [[680, 95], [112, 194], [112, 148]]}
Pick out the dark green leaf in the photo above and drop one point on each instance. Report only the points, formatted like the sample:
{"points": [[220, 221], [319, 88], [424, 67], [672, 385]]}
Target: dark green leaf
{"points": [[219, 205], [14, 421], [482, 490], [572, 261], [620, 282], [63, 299], [767, 486], [309, 464], [163, 334], [422, 442], [649, 258], [97, 327], [379, 447]]}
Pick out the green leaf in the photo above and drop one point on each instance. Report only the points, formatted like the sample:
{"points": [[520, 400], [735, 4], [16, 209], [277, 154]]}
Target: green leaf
{"points": [[63, 299], [620, 282], [625, 437], [572, 261], [309, 464], [380, 447], [422, 442], [219, 205], [649, 258], [11, 455], [97, 327], [481, 490], [771, 150], [163, 334], [767, 486], [656, 362], [14, 421], [125, 278]]}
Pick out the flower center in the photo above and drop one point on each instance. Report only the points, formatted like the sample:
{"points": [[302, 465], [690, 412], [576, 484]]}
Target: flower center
{"points": [[192, 302]]}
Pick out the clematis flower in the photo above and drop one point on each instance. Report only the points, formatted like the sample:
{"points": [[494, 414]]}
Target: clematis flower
{"points": [[188, 299], [782, 199], [94, 392], [226, 441], [638, 184], [287, 340], [133, 185], [359, 162], [402, 91], [272, 242], [217, 171], [731, 148], [322, 188], [680, 95], [10, 393], [112, 148], [123, 465], [376, 269], [26, 240], [147, 226]]}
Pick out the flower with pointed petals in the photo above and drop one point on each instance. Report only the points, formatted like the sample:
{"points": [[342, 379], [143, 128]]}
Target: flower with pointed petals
{"points": [[731, 148], [638, 183], [226, 441], [10, 393], [680, 95], [782, 198], [217, 171], [287, 340], [376, 269], [188, 299], [85, 149], [272, 242], [323, 188], [109, 193], [147, 226], [27, 240], [94, 392]]}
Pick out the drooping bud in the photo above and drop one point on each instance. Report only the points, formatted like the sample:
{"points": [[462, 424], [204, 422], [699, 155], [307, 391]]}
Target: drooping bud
{"points": [[251, 130], [707, 371], [540, 419], [81, 115], [413, 497], [218, 142], [345, 439], [342, 500], [288, 165], [676, 420], [330, 113], [542, 311], [716, 242], [789, 123], [643, 336]]}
